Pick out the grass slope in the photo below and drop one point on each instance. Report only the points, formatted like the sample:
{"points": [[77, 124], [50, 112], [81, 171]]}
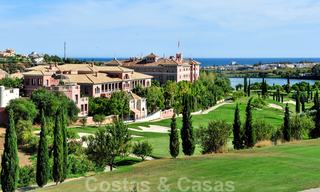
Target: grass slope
{"points": [[288, 167]]}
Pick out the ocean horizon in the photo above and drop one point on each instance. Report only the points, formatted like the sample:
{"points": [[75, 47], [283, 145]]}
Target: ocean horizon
{"points": [[205, 62]]}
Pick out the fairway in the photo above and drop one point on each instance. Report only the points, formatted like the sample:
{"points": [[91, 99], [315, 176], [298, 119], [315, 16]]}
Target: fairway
{"points": [[160, 141], [287, 167]]}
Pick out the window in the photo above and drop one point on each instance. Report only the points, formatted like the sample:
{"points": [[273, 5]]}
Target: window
{"points": [[33, 81], [86, 107], [82, 108], [39, 81], [28, 81], [77, 99]]}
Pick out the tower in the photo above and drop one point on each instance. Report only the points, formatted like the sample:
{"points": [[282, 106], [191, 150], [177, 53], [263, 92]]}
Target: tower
{"points": [[65, 51]]}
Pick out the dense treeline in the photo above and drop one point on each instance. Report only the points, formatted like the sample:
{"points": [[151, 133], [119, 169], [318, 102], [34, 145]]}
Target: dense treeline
{"points": [[205, 93]]}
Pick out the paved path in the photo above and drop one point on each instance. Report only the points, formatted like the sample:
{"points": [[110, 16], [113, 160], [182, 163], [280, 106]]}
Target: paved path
{"points": [[312, 190], [215, 107]]}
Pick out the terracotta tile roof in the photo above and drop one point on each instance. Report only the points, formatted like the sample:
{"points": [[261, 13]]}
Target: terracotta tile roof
{"points": [[80, 67], [113, 69], [151, 55], [18, 75], [159, 62], [114, 62], [37, 73], [137, 76], [91, 78], [2, 72]]}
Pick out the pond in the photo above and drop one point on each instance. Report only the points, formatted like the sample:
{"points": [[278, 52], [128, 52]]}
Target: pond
{"points": [[270, 81]]}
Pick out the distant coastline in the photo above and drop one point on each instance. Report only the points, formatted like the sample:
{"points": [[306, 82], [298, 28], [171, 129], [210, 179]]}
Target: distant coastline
{"points": [[225, 61]]}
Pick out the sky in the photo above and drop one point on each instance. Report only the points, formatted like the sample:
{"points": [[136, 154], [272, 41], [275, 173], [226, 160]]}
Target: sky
{"points": [[125, 28]]}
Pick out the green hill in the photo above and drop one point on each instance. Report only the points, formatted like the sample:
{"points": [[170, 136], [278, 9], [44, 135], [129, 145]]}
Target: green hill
{"points": [[287, 167]]}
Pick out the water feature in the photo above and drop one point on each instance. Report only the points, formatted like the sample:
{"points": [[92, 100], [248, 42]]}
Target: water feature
{"points": [[270, 81]]}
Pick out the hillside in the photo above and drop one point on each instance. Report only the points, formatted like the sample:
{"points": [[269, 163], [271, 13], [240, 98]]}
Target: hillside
{"points": [[287, 167]]}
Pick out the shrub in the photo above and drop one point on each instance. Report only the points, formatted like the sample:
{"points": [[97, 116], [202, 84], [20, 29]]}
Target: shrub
{"points": [[237, 95], [24, 131], [75, 147], [27, 176], [72, 134], [83, 121], [263, 130], [142, 149], [79, 165], [99, 118], [258, 102], [214, 137], [300, 126]]}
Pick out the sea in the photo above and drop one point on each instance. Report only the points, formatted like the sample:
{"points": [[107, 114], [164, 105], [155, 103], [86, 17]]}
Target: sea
{"points": [[206, 62]]}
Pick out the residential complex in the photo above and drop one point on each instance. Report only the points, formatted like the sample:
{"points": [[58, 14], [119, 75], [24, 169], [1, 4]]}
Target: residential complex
{"points": [[6, 95], [79, 81], [7, 53], [162, 69]]}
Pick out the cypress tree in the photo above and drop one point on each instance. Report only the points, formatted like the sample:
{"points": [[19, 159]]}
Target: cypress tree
{"points": [[308, 92], [315, 133], [316, 101], [10, 161], [42, 174], [57, 172], [303, 108], [245, 85], [288, 85], [249, 133], [286, 124], [298, 101], [174, 138], [237, 142], [249, 88], [187, 136], [65, 146]]}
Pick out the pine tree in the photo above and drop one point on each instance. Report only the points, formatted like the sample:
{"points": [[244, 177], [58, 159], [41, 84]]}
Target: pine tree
{"points": [[187, 137], [298, 101], [174, 138], [249, 133], [57, 172], [65, 146], [42, 174], [237, 142], [286, 125], [10, 161]]}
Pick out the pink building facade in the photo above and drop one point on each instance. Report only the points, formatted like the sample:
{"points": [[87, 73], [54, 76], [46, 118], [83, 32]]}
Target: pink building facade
{"points": [[72, 91], [163, 69], [80, 81]]}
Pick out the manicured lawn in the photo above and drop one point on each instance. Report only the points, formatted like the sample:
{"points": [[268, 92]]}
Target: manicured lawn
{"points": [[160, 141], [226, 112], [288, 167]]}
